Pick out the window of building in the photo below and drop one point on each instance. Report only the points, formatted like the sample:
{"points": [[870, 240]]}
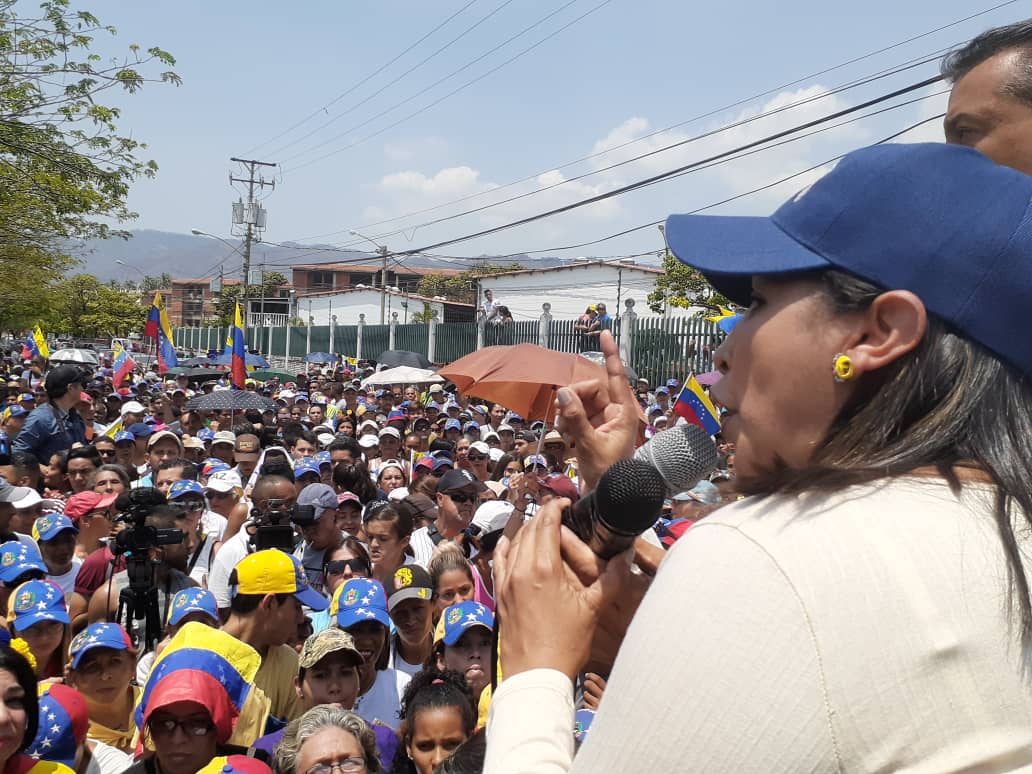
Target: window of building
{"points": [[320, 279]]}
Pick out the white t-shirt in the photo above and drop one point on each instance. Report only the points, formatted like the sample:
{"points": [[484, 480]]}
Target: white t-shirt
{"points": [[382, 702], [399, 664], [106, 759], [67, 581], [866, 630], [231, 552], [213, 524]]}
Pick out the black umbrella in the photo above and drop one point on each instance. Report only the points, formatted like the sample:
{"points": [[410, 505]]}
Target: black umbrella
{"points": [[402, 357], [196, 362], [230, 400], [199, 374]]}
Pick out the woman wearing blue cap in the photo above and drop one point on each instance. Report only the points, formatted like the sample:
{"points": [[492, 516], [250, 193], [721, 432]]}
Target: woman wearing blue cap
{"points": [[867, 607]]}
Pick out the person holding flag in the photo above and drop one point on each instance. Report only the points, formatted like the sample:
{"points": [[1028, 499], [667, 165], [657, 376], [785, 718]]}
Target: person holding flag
{"points": [[159, 329], [35, 345], [122, 366]]}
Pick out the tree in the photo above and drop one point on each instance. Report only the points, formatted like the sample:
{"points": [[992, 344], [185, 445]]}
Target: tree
{"points": [[65, 169], [423, 316], [461, 287], [85, 307], [225, 304], [683, 287]]}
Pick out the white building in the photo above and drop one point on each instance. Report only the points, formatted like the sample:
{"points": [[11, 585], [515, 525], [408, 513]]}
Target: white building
{"points": [[571, 289], [347, 305]]}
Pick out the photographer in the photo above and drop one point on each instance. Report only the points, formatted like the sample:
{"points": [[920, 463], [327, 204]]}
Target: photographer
{"points": [[273, 500], [168, 562]]}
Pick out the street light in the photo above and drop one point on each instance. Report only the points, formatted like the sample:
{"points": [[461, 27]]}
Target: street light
{"points": [[243, 292], [383, 252], [120, 262]]}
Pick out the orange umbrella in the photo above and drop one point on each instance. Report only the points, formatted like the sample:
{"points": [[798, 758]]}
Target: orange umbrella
{"points": [[523, 377]]}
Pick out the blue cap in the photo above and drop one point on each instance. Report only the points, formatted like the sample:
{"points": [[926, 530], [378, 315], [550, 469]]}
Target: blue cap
{"points": [[323, 458], [306, 465], [183, 487], [662, 391], [458, 619], [36, 601], [357, 600], [16, 411], [123, 435], [205, 434], [17, 558], [141, 430], [193, 600], [673, 384], [405, 404], [906, 217], [470, 426], [453, 424], [50, 525], [535, 459], [397, 416], [98, 635], [301, 396], [581, 723], [26, 396], [515, 418], [442, 462], [55, 735]]}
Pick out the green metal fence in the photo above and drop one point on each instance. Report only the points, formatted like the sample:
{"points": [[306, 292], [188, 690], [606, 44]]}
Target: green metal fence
{"points": [[661, 348]]}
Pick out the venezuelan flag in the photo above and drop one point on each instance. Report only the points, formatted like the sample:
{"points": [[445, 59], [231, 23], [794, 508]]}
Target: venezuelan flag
{"points": [[695, 406], [123, 365], [36, 343], [239, 352], [726, 320], [159, 329], [210, 667]]}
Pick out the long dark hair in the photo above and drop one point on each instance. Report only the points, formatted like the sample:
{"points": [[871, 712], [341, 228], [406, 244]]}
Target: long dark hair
{"points": [[354, 477], [430, 689], [947, 404], [18, 665]]}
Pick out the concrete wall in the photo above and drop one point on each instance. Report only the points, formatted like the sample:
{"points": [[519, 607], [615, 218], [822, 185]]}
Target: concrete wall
{"points": [[348, 306]]}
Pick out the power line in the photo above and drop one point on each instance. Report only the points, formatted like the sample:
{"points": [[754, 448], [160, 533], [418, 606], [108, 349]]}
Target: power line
{"points": [[365, 80], [452, 93], [919, 60]]}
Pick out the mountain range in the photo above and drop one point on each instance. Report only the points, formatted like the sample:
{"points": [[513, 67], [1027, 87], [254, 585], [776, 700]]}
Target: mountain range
{"points": [[151, 253]]}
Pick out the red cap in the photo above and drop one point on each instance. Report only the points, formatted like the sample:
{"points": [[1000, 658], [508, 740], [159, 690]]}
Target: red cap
{"points": [[74, 703], [80, 504], [560, 485]]}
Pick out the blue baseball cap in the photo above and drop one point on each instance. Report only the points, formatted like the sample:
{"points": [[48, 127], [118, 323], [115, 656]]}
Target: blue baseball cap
{"points": [[50, 525], [63, 724], [98, 635], [440, 463], [184, 487], [673, 384], [304, 466], [141, 430], [535, 459], [18, 558], [193, 600], [36, 601], [397, 416], [123, 435], [16, 411], [323, 458], [903, 217], [27, 396], [460, 618], [453, 424], [357, 600], [205, 434], [471, 425], [662, 391]]}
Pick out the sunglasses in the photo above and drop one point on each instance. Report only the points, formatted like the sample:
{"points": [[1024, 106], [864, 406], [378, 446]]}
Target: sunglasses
{"points": [[460, 498], [106, 452], [337, 566], [476, 457]]}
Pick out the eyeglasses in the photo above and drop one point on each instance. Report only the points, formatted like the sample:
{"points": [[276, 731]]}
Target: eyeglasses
{"points": [[106, 452], [337, 566], [476, 457], [191, 726], [348, 765], [460, 498]]}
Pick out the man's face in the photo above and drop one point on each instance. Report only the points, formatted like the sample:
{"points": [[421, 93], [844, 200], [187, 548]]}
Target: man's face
{"points": [[223, 451], [455, 509], [191, 422], [389, 446], [165, 449], [283, 417], [302, 448], [521, 446], [124, 452], [284, 618], [164, 479], [79, 471], [983, 116], [246, 467], [333, 679], [338, 456], [323, 533], [58, 552]]}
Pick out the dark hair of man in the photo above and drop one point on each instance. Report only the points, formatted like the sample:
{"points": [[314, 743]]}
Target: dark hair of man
{"points": [[243, 428], [163, 517], [189, 468], [1013, 37], [17, 665], [442, 444], [354, 477], [291, 433], [267, 480], [24, 462], [345, 443], [396, 514], [85, 453], [245, 604], [277, 468]]}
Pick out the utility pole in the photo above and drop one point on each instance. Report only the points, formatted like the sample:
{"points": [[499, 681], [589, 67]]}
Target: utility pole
{"points": [[252, 217], [382, 250]]}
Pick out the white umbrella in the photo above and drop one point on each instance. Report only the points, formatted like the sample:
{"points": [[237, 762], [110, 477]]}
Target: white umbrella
{"points": [[73, 355], [403, 375]]}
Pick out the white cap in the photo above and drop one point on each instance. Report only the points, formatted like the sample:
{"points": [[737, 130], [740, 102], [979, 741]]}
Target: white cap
{"points": [[390, 431], [287, 394], [504, 427], [495, 454], [480, 446], [133, 407], [367, 423], [224, 481], [29, 500], [492, 515], [490, 434], [325, 439], [368, 441], [398, 494], [224, 436]]}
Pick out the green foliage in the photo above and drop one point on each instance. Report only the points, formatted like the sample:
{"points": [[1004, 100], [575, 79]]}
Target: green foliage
{"points": [[226, 302], [461, 287], [84, 307], [423, 316], [683, 287], [65, 170]]}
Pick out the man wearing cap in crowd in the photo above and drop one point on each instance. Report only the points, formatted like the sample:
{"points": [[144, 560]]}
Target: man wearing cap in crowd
{"points": [[162, 446], [223, 490], [411, 607], [9, 495], [269, 588], [55, 426], [188, 605], [223, 446], [188, 497], [131, 413], [56, 535], [317, 518], [19, 563], [458, 493], [246, 450]]}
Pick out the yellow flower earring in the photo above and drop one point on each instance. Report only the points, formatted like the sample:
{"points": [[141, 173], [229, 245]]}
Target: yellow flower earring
{"points": [[844, 370]]}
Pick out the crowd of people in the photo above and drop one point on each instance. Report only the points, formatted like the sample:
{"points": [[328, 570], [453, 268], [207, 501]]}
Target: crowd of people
{"points": [[340, 540]]}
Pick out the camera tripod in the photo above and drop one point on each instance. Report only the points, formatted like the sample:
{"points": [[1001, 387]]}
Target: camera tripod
{"points": [[139, 600]]}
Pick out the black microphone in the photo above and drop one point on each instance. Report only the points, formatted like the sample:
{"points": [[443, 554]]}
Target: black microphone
{"points": [[683, 455], [627, 501]]}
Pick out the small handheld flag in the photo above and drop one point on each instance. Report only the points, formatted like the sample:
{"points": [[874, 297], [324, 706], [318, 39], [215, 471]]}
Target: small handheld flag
{"points": [[123, 365], [695, 406], [36, 344]]}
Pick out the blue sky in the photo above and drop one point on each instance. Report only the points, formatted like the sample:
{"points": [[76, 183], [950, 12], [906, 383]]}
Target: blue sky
{"points": [[251, 70]]}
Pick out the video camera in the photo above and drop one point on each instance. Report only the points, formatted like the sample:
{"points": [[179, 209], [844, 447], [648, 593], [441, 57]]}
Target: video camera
{"points": [[272, 526], [133, 509]]}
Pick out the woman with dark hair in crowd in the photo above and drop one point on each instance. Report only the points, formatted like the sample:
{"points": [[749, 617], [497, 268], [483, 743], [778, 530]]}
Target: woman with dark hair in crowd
{"points": [[437, 715], [508, 465], [354, 477], [387, 529], [875, 579], [348, 560], [19, 713], [468, 757], [110, 479]]}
